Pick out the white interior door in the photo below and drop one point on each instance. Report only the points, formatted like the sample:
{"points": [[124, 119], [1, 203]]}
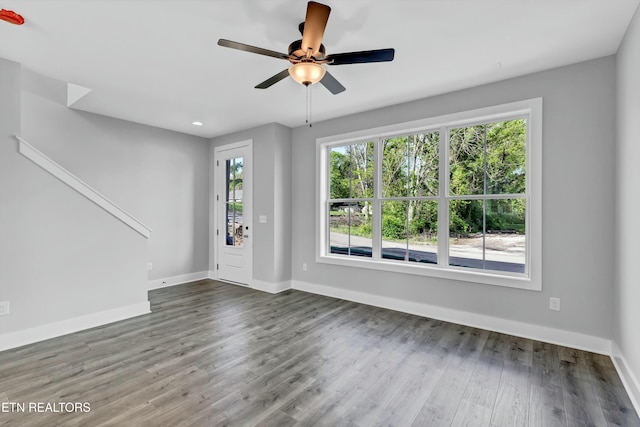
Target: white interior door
{"points": [[234, 225]]}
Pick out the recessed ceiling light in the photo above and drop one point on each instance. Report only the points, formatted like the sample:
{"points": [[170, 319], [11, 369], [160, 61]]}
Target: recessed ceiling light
{"points": [[197, 123]]}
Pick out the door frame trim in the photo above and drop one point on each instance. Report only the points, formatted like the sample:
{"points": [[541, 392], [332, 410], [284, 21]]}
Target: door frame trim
{"points": [[213, 238]]}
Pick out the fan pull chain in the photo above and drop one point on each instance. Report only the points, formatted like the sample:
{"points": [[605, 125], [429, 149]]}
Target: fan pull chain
{"points": [[310, 103], [308, 117]]}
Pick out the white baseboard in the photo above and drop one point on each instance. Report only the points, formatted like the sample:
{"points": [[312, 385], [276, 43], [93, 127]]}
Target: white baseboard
{"points": [[629, 380], [68, 326], [525, 330], [258, 285], [272, 288], [177, 280]]}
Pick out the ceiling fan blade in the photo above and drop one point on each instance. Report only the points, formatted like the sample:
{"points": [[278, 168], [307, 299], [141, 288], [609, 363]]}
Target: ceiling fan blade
{"points": [[314, 25], [11, 17], [252, 49], [273, 80], [332, 84], [380, 55]]}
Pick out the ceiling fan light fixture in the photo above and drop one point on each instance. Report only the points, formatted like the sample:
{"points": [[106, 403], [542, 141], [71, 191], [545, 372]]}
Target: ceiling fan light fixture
{"points": [[308, 54], [307, 73]]}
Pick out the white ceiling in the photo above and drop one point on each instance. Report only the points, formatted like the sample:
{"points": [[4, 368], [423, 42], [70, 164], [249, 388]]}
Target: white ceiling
{"points": [[157, 62]]}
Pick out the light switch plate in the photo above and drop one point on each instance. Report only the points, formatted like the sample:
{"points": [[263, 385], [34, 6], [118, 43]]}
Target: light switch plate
{"points": [[262, 219], [4, 308]]}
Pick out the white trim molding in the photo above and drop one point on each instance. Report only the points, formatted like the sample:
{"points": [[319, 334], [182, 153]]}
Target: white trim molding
{"points": [[270, 287], [629, 380], [258, 285], [46, 163], [531, 279], [177, 280], [69, 326], [217, 236], [525, 330]]}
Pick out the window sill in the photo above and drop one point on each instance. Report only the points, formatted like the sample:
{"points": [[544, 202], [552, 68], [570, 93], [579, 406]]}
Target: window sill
{"points": [[488, 278]]}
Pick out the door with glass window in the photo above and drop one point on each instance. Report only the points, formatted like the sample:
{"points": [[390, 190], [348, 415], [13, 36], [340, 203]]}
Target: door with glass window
{"points": [[233, 208]]}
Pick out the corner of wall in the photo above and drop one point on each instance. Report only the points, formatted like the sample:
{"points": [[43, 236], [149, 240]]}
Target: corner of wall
{"points": [[272, 288], [626, 347], [629, 380]]}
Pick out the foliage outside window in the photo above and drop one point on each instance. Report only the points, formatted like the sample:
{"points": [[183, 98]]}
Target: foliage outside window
{"points": [[452, 196], [233, 202]]}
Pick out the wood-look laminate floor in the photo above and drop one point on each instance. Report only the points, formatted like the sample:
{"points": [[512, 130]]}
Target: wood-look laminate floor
{"points": [[213, 354]]}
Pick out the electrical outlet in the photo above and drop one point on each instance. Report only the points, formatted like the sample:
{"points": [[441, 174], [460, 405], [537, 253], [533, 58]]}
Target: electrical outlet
{"points": [[4, 308], [149, 266], [554, 304], [304, 266]]}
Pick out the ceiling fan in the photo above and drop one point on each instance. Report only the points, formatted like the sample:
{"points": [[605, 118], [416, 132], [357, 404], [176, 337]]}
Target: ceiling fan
{"points": [[11, 17], [307, 56]]}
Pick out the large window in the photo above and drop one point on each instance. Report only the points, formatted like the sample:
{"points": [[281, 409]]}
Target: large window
{"points": [[455, 196]]}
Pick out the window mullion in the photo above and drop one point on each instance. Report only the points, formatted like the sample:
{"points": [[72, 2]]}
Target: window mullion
{"points": [[484, 201], [529, 197], [376, 223], [443, 201], [406, 202]]}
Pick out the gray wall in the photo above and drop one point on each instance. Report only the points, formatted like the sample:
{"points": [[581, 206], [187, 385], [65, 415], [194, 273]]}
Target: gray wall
{"points": [[158, 176], [271, 197], [61, 256], [578, 202], [628, 204]]}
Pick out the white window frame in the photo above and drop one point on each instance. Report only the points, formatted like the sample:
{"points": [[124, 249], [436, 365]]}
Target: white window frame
{"points": [[531, 109]]}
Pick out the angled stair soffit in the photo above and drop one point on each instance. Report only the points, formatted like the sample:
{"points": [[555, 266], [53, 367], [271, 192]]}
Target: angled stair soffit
{"points": [[75, 93]]}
